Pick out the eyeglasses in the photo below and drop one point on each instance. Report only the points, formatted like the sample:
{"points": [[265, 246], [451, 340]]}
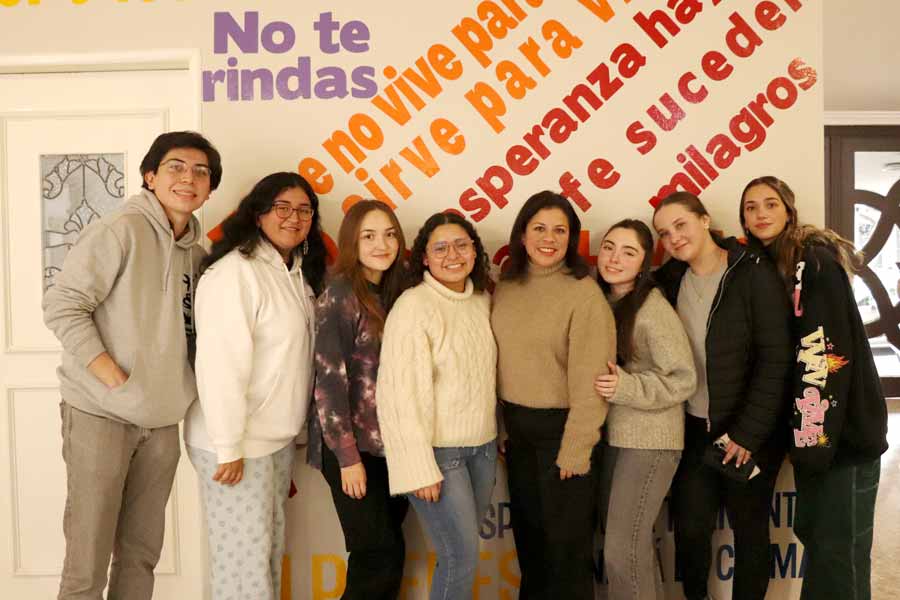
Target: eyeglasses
{"points": [[178, 168], [283, 211], [463, 247]]}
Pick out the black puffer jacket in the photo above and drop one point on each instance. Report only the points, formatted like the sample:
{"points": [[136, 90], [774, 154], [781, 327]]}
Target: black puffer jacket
{"points": [[748, 350]]}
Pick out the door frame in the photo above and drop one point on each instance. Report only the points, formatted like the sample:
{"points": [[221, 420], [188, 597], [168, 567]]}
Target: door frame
{"points": [[180, 59], [175, 59], [839, 215], [164, 59]]}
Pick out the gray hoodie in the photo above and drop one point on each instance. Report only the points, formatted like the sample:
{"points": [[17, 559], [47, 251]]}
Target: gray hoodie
{"points": [[122, 290]]}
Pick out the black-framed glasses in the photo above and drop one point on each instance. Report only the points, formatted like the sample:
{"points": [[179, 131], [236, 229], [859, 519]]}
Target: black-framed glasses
{"points": [[463, 247], [178, 168], [283, 211]]}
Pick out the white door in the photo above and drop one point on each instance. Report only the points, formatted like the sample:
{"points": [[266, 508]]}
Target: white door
{"points": [[70, 148]]}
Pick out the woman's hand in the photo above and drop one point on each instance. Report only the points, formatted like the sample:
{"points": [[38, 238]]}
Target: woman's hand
{"points": [[230, 473], [353, 480], [429, 493], [566, 474], [736, 450], [605, 385]]}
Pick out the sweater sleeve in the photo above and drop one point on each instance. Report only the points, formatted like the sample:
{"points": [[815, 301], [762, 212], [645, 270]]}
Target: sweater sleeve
{"points": [[88, 275], [226, 310], [335, 334], [405, 398], [825, 356], [592, 342], [660, 337], [763, 412]]}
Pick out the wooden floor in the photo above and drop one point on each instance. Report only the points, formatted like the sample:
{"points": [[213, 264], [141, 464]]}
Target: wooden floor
{"points": [[886, 549]]}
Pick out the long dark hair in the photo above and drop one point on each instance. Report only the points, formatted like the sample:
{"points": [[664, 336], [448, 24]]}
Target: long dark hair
{"points": [[480, 275], [348, 266], [518, 257], [240, 229], [794, 238], [627, 307]]}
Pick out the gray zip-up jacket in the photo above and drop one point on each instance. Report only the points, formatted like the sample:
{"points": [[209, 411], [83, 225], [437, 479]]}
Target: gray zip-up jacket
{"points": [[125, 288]]}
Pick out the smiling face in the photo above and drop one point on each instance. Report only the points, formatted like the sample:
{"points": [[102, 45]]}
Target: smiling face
{"points": [[378, 244], [450, 256], [181, 182], [620, 260], [765, 215], [286, 234], [684, 234], [546, 237]]}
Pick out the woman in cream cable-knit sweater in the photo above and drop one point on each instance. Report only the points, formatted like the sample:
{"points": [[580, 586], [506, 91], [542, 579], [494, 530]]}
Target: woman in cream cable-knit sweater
{"points": [[554, 332], [436, 396], [645, 424]]}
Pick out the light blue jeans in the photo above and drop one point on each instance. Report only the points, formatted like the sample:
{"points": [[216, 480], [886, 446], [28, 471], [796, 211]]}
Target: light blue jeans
{"points": [[453, 521]]}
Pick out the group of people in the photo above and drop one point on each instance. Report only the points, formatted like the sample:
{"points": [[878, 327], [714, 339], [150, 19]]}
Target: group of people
{"points": [[414, 371]]}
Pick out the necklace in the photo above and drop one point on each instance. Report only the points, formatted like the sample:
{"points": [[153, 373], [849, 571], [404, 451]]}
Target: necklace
{"points": [[702, 287]]}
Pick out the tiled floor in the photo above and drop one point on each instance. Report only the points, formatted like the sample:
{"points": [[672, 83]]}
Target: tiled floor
{"points": [[886, 549]]}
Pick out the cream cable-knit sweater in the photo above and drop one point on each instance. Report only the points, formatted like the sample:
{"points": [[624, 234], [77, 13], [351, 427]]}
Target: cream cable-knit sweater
{"points": [[436, 380], [554, 334], [647, 410]]}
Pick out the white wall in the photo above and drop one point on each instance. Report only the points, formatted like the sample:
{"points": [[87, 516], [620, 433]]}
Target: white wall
{"points": [[862, 55]]}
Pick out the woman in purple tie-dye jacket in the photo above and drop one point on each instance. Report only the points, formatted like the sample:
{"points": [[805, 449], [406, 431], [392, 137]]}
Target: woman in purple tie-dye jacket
{"points": [[345, 441]]}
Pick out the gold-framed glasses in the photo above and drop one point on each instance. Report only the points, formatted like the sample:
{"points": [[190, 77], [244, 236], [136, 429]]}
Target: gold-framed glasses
{"points": [[463, 247], [178, 168], [284, 210]]}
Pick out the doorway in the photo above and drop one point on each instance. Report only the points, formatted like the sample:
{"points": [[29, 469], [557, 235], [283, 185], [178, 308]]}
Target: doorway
{"points": [[72, 135]]}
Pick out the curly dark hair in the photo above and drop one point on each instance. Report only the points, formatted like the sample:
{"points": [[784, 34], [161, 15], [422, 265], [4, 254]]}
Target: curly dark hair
{"points": [[480, 275], [240, 229], [518, 256]]}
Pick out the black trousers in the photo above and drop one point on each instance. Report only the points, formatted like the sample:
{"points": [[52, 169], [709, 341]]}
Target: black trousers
{"points": [[698, 492], [835, 522], [553, 520], [372, 530]]}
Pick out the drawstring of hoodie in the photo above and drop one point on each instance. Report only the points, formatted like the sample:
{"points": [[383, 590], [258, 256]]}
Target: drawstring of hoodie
{"points": [[169, 262], [298, 294]]}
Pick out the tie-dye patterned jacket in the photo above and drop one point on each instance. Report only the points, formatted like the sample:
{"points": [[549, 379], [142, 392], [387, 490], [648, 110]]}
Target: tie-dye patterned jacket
{"points": [[346, 364]]}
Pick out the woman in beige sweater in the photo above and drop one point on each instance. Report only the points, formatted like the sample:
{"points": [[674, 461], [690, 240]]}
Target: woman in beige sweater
{"points": [[436, 397], [554, 332], [645, 425]]}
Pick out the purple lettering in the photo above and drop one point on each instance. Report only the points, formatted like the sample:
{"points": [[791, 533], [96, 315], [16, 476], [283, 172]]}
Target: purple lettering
{"points": [[224, 26]]}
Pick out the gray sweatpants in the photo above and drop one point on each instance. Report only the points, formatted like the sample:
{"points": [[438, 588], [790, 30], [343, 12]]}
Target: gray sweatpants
{"points": [[245, 523]]}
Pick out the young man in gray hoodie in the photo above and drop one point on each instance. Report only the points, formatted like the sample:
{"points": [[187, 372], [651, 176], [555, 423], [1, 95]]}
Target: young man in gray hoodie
{"points": [[122, 309]]}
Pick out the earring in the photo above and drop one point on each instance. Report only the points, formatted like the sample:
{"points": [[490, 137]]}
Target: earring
{"points": [[305, 247]]}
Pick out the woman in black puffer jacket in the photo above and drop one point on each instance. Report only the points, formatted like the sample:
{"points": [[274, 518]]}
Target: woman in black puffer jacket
{"points": [[731, 302]]}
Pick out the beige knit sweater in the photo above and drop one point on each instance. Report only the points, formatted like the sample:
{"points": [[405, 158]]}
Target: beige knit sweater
{"points": [[554, 334], [436, 380], [647, 410]]}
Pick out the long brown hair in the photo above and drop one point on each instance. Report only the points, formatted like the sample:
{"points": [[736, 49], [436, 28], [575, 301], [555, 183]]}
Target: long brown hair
{"points": [[627, 307], [349, 267], [794, 238]]}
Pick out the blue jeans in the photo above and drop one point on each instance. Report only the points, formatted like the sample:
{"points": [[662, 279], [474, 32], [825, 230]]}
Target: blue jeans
{"points": [[453, 521]]}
